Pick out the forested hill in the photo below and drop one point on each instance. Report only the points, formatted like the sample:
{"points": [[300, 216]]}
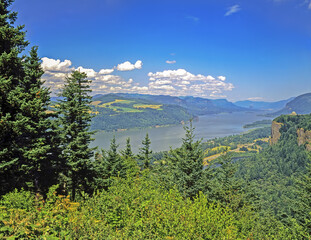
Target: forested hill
{"points": [[280, 175], [113, 112], [194, 105], [300, 105]]}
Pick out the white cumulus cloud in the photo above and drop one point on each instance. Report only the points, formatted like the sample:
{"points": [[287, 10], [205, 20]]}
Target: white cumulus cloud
{"points": [[181, 82], [222, 78], [49, 64], [89, 72], [177, 82], [56, 72], [127, 66], [105, 71]]}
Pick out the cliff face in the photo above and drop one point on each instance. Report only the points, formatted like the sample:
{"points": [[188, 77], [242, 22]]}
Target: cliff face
{"points": [[304, 137], [275, 132]]}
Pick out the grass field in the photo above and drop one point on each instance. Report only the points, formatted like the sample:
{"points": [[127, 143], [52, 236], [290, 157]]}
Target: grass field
{"points": [[158, 107], [108, 104]]}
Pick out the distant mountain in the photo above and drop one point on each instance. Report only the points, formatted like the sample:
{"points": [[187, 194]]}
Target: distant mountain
{"points": [[194, 105], [300, 105], [272, 106]]}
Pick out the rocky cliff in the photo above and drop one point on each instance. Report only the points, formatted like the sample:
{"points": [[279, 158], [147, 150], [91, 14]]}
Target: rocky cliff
{"points": [[275, 132], [304, 137]]}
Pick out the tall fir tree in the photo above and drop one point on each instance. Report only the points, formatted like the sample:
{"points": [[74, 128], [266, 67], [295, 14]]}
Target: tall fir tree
{"points": [[186, 164], [23, 102], [129, 161], [144, 155], [109, 164], [38, 158], [127, 152], [74, 119], [113, 163], [12, 43]]}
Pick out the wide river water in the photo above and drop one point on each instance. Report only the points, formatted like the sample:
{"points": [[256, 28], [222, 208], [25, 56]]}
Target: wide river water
{"points": [[162, 138]]}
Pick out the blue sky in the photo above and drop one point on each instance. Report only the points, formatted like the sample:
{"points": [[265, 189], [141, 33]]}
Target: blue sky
{"points": [[246, 49]]}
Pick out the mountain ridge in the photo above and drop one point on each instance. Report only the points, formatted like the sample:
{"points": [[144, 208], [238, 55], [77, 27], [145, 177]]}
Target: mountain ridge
{"points": [[300, 105]]}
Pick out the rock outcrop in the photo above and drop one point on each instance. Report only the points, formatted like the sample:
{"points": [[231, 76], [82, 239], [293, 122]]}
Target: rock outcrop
{"points": [[304, 137], [275, 132]]}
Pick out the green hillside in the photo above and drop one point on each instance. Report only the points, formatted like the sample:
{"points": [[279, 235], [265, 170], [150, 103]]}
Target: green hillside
{"points": [[112, 112]]}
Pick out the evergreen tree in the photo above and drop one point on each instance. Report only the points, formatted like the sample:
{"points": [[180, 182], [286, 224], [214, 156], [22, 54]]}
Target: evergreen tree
{"points": [[38, 157], [222, 185], [23, 103], [127, 152], [12, 43], [186, 164], [114, 165], [144, 156], [129, 161], [74, 118], [109, 164]]}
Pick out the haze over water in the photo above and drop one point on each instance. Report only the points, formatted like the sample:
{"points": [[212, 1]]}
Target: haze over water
{"points": [[207, 127]]}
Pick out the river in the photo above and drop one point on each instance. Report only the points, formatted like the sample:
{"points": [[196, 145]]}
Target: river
{"points": [[206, 127]]}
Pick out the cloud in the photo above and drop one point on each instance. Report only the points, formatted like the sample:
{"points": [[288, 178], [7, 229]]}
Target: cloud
{"points": [[127, 66], [309, 5], [105, 71], [255, 98], [49, 64], [233, 9], [170, 62], [177, 82], [89, 72], [222, 78], [180, 82], [56, 72]]}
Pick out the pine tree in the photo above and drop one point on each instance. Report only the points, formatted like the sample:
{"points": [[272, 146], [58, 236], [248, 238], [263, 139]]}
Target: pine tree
{"points": [[74, 118], [109, 164], [144, 156], [186, 164], [114, 165], [38, 157], [222, 186], [130, 164], [23, 104], [12, 43], [127, 152]]}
